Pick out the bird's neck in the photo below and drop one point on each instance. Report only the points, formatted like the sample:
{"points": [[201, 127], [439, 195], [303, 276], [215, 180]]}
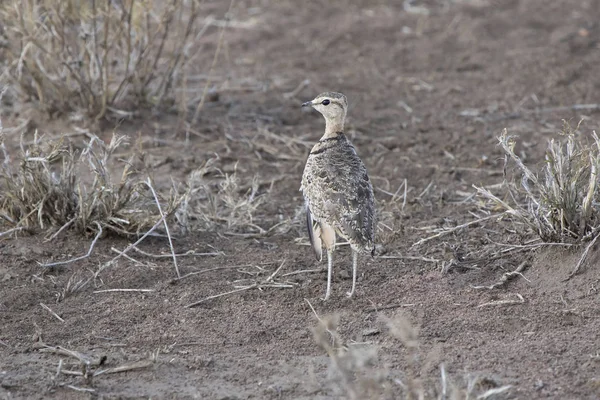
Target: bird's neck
{"points": [[332, 127]]}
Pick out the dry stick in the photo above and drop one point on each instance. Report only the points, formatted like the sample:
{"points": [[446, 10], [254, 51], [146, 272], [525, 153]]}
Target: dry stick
{"points": [[431, 260], [385, 191], [221, 295], [303, 271], [121, 368], [530, 246], [8, 232], [166, 226], [504, 302], [80, 389], [456, 228], [123, 290], [505, 277], [394, 196], [314, 312], [425, 191], [206, 270], [492, 392], [70, 353], [69, 372], [187, 253], [323, 324], [270, 278], [582, 259], [62, 228], [126, 367], [444, 380], [121, 254], [405, 193], [133, 260], [55, 315], [213, 64], [268, 282], [58, 369], [398, 190], [77, 258]]}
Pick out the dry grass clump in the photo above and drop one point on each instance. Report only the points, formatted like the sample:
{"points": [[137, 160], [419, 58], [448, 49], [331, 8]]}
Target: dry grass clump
{"points": [[352, 368], [98, 57], [356, 372], [216, 199], [52, 185], [45, 188], [560, 203]]}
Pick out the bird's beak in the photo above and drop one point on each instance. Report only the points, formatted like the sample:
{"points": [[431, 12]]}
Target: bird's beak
{"points": [[308, 103]]}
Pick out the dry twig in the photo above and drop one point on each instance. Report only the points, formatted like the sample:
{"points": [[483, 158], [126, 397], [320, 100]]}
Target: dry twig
{"points": [[122, 253], [582, 258], [89, 253], [265, 283], [521, 300], [454, 229], [123, 290], [163, 217], [55, 315], [506, 277], [125, 367]]}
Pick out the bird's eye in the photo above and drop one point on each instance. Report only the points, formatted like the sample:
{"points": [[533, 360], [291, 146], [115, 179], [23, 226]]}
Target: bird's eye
{"points": [[325, 102]]}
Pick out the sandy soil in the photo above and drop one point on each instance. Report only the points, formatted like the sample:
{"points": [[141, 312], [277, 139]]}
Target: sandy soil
{"points": [[429, 95]]}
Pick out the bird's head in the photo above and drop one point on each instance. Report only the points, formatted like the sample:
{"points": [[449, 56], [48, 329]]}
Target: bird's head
{"points": [[332, 105]]}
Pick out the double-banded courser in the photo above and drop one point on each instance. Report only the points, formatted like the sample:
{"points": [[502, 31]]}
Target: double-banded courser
{"points": [[337, 191]]}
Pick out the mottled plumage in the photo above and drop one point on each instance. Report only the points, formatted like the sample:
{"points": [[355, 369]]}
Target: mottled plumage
{"points": [[336, 188], [338, 192]]}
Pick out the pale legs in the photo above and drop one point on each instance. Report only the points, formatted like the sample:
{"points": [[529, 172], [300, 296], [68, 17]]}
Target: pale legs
{"points": [[328, 236], [354, 268], [329, 271]]}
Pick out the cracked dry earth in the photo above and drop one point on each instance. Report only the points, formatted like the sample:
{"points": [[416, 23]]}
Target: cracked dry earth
{"points": [[429, 94]]}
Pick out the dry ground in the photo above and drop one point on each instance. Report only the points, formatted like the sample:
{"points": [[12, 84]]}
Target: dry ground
{"points": [[429, 94]]}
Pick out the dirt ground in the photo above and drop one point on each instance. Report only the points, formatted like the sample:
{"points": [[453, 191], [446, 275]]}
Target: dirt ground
{"points": [[429, 93]]}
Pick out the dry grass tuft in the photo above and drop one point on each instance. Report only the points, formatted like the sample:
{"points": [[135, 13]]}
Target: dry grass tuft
{"points": [[353, 367], [560, 203], [98, 57], [216, 199], [44, 188], [356, 371]]}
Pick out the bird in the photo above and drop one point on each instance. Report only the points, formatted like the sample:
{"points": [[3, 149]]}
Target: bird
{"points": [[338, 195]]}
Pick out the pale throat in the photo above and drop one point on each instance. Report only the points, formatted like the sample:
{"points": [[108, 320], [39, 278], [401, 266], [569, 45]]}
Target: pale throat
{"points": [[333, 126]]}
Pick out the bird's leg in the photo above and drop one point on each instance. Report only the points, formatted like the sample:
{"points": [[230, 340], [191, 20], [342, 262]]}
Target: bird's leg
{"points": [[354, 268], [328, 236], [329, 270]]}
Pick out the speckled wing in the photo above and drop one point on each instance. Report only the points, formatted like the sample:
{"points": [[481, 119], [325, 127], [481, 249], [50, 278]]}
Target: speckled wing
{"points": [[338, 191]]}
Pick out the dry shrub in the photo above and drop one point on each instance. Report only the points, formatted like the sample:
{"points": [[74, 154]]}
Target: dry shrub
{"points": [[44, 188], [220, 200], [352, 367], [560, 203], [355, 370], [98, 57], [52, 185]]}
